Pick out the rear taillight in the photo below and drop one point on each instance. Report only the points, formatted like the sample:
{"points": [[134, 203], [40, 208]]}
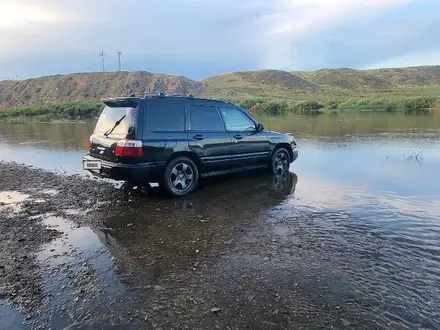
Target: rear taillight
{"points": [[129, 148], [90, 141]]}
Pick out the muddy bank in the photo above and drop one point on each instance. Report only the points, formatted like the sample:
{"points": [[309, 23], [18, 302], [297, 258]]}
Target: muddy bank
{"points": [[242, 252], [45, 271], [62, 262]]}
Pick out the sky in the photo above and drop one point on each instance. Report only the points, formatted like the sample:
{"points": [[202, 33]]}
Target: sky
{"points": [[199, 38]]}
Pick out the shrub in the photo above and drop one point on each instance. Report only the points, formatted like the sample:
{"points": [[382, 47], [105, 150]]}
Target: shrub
{"points": [[73, 110]]}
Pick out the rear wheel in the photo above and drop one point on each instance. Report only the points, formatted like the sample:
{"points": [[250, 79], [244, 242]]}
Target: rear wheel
{"points": [[180, 176], [280, 161]]}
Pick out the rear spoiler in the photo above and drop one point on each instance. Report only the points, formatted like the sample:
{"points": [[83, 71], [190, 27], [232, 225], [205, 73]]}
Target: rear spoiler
{"points": [[120, 102]]}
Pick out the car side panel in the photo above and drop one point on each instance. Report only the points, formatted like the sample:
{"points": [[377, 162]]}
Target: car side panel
{"points": [[213, 148], [160, 146], [249, 148]]}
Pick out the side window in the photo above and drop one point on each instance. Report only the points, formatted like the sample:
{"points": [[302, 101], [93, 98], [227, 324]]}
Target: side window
{"points": [[166, 117], [236, 120], [205, 118]]}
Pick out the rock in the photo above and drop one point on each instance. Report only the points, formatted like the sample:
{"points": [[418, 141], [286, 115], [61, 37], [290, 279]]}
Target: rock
{"points": [[345, 323], [216, 310], [130, 225]]}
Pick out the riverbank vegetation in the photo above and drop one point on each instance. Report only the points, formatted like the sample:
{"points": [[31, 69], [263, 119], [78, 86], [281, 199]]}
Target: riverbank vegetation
{"points": [[82, 110], [333, 105], [52, 112]]}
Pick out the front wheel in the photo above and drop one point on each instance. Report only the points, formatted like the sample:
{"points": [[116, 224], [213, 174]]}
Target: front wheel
{"points": [[180, 176], [280, 161]]}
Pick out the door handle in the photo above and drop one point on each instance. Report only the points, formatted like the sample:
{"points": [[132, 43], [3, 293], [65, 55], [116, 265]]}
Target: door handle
{"points": [[238, 137], [198, 137]]}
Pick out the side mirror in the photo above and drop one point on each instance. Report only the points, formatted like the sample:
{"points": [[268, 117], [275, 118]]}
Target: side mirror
{"points": [[260, 127]]}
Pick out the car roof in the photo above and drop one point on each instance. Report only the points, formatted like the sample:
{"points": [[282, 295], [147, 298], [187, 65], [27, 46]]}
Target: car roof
{"points": [[179, 97]]}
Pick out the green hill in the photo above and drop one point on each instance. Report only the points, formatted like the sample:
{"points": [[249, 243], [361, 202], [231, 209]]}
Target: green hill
{"points": [[326, 83], [265, 91]]}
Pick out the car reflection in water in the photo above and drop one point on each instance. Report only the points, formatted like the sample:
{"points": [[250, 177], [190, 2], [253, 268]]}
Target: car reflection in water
{"points": [[157, 237]]}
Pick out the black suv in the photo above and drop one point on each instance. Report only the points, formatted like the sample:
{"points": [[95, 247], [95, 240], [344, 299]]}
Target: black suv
{"points": [[175, 140]]}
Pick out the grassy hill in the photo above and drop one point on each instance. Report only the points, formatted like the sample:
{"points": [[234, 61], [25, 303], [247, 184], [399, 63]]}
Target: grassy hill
{"points": [[328, 83], [265, 91]]}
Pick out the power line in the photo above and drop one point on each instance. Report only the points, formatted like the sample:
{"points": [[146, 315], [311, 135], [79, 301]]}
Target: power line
{"points": [[119, 58], [102, 54]]}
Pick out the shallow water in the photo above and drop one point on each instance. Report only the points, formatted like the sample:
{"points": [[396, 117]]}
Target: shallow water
{"points": [[364, 211], [10, 318]]}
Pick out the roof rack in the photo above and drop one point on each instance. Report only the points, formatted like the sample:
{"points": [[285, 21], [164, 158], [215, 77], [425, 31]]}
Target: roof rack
{"points": [[183, 95], [161, 94], [144, 94]]}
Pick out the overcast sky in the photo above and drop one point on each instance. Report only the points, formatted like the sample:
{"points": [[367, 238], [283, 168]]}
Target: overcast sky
{"points": [[198, 38]]}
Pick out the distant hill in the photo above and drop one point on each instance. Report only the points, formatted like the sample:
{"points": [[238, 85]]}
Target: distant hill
{"points": [[91, 86], [299, 85], [329, 82]]}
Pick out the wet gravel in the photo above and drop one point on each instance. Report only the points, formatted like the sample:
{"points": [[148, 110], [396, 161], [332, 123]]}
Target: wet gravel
{"points": [[237, 254], [53, 286]]}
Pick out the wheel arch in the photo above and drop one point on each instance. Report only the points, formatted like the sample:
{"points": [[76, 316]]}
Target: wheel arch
{"points": [[286, 146], [190, 155]]}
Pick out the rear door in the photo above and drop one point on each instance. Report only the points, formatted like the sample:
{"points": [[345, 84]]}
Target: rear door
{"points": [[208, 138], [249, 147], [163, 129], [116, 122]]}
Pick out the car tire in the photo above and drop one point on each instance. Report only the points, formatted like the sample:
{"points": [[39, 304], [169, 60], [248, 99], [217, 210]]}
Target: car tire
{"points": [[279, 162], [181, 177]]}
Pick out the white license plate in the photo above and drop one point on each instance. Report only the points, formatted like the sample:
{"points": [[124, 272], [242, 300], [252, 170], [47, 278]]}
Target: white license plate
{"points": [[92, 165]]}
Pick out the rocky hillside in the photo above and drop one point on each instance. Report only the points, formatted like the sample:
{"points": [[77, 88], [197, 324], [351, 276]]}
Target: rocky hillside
{"points": [[320, 84], [91, 86]]}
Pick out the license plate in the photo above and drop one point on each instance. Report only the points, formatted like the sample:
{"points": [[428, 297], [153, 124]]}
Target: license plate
{"points": [[92, 164]]}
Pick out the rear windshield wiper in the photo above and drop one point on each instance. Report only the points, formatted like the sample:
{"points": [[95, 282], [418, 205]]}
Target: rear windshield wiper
{"points": [[114, 126]]}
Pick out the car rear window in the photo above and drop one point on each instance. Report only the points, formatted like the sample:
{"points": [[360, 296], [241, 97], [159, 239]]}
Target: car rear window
{"points": [[206, 118], [166, 117], [110, 115]]}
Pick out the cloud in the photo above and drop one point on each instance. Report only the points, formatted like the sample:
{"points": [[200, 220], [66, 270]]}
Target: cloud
{"points": [[294, 25], [219, 35], [19, 15], [411, 59]]}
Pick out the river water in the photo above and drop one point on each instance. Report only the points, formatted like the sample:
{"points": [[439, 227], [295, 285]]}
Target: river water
{"points": [[365, 204]]}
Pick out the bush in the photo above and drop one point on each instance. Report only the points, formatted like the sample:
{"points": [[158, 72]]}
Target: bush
{"points": [[308, 107], [388, 104], [281, 107], [48, 112]]}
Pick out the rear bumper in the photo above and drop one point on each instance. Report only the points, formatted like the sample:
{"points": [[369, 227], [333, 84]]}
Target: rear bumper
{"points": [[135, 173]]}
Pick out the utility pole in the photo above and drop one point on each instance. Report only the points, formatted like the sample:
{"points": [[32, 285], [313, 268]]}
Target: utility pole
{"points": [[119, 57], [102, 54]]}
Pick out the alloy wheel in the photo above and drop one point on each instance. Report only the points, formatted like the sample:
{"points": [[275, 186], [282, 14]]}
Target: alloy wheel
{"points": [[181, 177], [281, 163]]}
